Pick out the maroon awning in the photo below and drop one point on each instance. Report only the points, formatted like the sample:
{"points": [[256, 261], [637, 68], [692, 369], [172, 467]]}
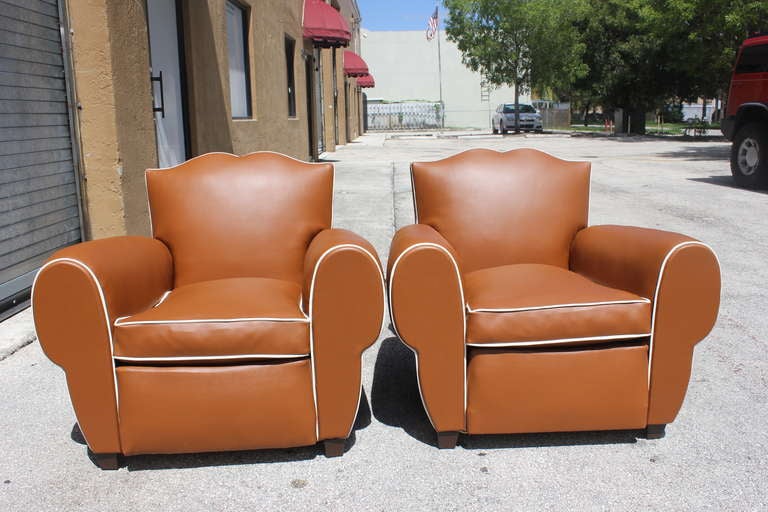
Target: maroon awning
{"points": [[324, 25], [354, 65], [366, 81]]}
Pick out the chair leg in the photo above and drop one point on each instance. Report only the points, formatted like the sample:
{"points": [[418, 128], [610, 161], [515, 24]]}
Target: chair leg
{"points": [[105, 461], [447, 440], [334, 447], [655, 431]]}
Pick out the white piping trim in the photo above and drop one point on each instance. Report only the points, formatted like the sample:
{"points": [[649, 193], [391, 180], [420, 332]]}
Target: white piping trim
{"points": [[464, 317], [556, 306], [559, 341], [244, 155], [658, 289], [212, 358], [208, 321], [106, 320], [162, 299], [312, 335]]}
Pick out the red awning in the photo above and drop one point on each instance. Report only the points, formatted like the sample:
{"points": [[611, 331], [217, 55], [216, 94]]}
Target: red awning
{"points": [[324, 25], [366, 81], [354, 65]]}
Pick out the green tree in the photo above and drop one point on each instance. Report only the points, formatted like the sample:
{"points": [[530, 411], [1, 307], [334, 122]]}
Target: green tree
{"points": [[520, 43], [642, 54]]}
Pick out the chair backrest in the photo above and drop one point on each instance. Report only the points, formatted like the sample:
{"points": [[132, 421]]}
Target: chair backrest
{"points": [[251, 216], [501, 208]]}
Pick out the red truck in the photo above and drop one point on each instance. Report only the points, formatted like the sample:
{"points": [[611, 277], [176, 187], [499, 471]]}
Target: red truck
{"points": [[746, 116]]}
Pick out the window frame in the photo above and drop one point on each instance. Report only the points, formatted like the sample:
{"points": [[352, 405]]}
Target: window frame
{"points": [[245, 18]]}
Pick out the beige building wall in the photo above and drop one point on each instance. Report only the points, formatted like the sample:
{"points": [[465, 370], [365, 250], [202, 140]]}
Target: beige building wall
{"points": [[341, 80], [329, 112], [114, 119], [270, 127], [405, 67], [110, 54]]}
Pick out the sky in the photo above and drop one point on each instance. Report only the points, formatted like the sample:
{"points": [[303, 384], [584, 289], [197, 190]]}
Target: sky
{"points": [[397, 14]]}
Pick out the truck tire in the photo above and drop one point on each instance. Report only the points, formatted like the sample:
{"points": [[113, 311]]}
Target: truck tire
{"points": [[749, 156]]}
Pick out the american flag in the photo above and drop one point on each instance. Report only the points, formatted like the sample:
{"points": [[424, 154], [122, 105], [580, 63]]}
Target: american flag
{"points": [[432, 26]]}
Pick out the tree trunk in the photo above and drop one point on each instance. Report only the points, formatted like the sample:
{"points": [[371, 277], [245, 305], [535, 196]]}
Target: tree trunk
{"points": [[704, 109], [517, 106], [586, 113], [636, 120]]}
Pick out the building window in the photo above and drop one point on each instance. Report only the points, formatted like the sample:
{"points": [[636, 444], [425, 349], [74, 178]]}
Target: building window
{"points": [[239, 71], [290, 48]]}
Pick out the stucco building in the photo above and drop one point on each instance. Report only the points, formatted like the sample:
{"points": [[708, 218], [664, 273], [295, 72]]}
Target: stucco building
{"points": [[406, 68], [93, 92]]}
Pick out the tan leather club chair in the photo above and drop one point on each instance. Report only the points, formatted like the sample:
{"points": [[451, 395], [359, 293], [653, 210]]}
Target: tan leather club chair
{"points": [[239, 325], [523, 319]]}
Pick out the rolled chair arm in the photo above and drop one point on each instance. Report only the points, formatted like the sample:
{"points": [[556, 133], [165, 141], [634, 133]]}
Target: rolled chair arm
{"points": [[680, 275], [427, 308], [343, 295], [76, 297]]}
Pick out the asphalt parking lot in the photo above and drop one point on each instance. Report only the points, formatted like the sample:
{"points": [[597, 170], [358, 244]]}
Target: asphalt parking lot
{"points": [[713, 457]]}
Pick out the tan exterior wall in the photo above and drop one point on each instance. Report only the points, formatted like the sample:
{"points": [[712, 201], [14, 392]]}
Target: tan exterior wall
{"points": [[110, 53], [115, 122], [269, 128], [329, 119], [341, 80]]}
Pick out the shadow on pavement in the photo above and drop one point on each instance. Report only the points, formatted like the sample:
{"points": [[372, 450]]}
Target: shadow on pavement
{"points": [[700, 153], [495, 441], [266, 456], [395, 398], [727, 181]]}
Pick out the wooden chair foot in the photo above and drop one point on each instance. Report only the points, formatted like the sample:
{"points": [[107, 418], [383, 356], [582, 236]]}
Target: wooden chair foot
{"points": [[105, 461], [447, 440], [334, 447], [655, 431]]}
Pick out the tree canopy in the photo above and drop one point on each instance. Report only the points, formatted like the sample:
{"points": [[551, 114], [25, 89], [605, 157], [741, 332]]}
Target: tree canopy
{"points": [[521, 43], [630, 54]]}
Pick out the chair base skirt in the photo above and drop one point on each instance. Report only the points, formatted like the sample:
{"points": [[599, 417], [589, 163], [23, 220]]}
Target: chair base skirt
{"points": [[512, 391], [216, 408]]}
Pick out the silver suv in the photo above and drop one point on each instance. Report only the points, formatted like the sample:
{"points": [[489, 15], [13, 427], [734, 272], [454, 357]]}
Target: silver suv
{"points": [[504, 118]]}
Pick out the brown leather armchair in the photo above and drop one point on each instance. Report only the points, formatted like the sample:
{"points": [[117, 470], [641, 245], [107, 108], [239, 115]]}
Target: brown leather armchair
{"points": [[239, 325], [523, 319]]}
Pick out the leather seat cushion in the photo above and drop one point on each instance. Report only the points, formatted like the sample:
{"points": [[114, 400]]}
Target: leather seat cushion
{"points": [[540, 305], [236, 318]]}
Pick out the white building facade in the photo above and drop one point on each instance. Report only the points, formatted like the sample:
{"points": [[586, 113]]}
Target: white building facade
{"points": [[405, 67]]}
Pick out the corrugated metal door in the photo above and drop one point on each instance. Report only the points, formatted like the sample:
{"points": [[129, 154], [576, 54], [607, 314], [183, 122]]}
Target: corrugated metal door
{"points": [[39, 196]]}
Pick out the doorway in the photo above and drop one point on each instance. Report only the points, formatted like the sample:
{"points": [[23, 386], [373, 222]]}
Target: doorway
{"points": [[168, 87]]}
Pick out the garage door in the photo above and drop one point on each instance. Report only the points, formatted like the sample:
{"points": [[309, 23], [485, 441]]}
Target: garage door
{"points": [[39, 196]]}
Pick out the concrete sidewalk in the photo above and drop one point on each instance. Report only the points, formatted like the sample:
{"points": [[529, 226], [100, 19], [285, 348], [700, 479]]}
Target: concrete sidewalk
{"points": [[713, 458]]}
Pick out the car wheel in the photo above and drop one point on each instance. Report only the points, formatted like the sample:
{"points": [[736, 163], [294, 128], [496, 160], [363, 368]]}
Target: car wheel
{"points": [[502, 129], [749, 156], [494, 129]]}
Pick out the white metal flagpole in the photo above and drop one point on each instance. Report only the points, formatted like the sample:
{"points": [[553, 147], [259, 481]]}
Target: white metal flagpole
{"points": [[440, 73]]}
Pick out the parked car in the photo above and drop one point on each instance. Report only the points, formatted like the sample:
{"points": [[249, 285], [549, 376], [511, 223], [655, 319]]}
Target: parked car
{"points": [[746, 115], [504, 118]]}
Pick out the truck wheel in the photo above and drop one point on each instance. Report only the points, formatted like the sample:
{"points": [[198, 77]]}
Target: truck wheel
{"points": [[749, 156]]}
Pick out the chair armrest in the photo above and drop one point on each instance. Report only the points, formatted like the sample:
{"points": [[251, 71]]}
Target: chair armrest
{"points": [[426, 302], [344, 298], [76, 297], [680, 275]]}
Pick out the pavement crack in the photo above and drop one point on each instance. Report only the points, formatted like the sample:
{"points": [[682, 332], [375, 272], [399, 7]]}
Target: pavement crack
{"points": [[15, 348]]}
